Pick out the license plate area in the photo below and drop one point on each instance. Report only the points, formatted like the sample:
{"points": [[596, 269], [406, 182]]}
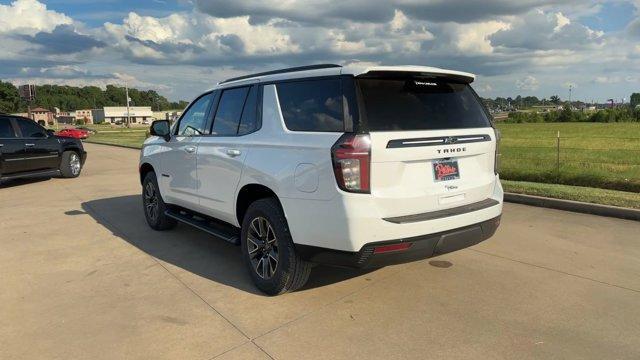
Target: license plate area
{"points": [[445, 170]]}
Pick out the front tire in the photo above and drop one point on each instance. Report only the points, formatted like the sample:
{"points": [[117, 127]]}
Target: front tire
{"points": [[154, 206], [268, 249], [70, 164]]}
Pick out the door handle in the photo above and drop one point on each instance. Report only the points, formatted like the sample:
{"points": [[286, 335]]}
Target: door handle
{"points": [[190, 149], [29, 145], [234, 152]]}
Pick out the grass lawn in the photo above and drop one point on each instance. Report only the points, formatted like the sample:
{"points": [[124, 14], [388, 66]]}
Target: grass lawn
{"points": [[591, 154], [577, 193], [118, 136]]}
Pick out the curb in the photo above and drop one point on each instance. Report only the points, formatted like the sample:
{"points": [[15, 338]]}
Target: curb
{"points": [[116, 145], [575, 206]]}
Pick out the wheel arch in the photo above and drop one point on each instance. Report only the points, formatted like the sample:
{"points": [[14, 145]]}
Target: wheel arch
{"points": [[250, 193], [145, 168]]}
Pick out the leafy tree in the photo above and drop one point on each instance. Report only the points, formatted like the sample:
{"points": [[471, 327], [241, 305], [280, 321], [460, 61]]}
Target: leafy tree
{"points": [[9, 98], [69, 98], [635, 100], [555, 99]]}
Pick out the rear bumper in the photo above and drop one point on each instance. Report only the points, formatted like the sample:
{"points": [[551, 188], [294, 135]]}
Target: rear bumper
{"points": [[421, 247], [350, 221]]}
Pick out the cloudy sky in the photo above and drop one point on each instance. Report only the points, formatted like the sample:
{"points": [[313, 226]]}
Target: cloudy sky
{"points": [[182, 47]]}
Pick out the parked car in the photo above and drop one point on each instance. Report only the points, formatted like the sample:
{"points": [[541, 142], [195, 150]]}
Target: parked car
{"points": [[29, 150], [347, 166], [73, 133], [88, 130]]}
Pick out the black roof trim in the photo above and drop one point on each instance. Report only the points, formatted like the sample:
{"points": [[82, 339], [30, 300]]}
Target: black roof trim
{"points": [[282, 71]]}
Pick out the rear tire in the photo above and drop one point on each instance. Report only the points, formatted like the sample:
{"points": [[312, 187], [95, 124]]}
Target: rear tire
{"points": [[70, 164], [268, 249], [153, 205]]}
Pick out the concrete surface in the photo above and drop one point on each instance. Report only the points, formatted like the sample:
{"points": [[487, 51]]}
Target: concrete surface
{"points": [[83, 277], [575, 206]]}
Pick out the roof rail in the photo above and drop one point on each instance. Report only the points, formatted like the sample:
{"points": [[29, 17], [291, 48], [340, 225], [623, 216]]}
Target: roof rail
{"points": [[282, 71]]}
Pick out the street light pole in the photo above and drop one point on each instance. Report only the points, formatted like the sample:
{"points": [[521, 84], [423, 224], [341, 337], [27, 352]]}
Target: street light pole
{"points": [[126, 91]]}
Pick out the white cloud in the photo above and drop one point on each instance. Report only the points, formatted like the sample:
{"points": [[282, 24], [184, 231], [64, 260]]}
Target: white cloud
{"points": [[473, 39], [29, 17], [607, 79], [539, 30], [562, 21], [528, 83]]}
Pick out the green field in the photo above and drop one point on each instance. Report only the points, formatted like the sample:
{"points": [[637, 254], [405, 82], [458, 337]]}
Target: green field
{"points": [[601, 155], [117, 136]]}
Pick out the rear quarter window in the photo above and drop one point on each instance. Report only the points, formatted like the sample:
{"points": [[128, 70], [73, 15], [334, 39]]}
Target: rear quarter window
{"points": [[312, 105], [420, 104]]}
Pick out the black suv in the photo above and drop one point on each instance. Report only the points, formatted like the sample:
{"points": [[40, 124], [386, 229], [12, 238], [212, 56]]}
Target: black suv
{"points": [[29, 150]]}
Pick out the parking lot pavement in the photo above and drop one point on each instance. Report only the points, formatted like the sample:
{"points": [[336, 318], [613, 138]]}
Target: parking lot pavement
{"points": [[82, 276]]}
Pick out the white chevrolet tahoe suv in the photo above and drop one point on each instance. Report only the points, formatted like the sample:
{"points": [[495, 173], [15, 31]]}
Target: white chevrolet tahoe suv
{"points": [[358, 167]]}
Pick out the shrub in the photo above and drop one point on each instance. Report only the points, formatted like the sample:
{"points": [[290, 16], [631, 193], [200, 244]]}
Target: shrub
{"points": [[619, 114]]}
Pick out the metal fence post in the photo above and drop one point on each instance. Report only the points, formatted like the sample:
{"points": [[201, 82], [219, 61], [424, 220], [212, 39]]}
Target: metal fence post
{"points": [[558, 157]]}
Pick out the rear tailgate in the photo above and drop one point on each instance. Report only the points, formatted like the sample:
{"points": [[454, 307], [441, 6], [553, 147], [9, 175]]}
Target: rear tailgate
{"points": [[432, 144]]}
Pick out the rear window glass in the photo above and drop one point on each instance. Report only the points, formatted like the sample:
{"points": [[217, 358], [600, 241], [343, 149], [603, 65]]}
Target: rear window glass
{"points": [[420, 104], [312, 105]]}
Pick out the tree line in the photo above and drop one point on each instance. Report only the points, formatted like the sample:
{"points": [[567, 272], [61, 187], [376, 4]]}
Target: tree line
{"points": [[523, 102], [69, 98], [625, 113]]}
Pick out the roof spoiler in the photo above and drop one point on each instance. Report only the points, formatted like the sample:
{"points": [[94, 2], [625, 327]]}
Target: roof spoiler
{"points": [[456, 77]]}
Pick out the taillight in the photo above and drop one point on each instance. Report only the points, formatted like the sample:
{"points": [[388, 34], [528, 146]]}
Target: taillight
{"points": [[351, 156], [496, 163]]}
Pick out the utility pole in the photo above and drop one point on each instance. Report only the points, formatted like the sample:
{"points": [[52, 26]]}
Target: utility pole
{"points": [[570, 89], [126, 91]]}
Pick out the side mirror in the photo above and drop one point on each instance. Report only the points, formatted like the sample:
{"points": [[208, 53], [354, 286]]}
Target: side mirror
{"points": [[161, 128], [50, 132]]}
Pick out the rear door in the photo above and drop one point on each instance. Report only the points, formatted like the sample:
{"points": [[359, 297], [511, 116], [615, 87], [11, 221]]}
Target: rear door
{"points": [[432, 144], [221, 154], [41, 150], [12, 153]]}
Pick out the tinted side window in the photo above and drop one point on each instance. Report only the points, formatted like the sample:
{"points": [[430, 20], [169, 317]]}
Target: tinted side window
{"points": [[229, 112], [249, 120], [312, 105], [30, 129], [6, 130], [193, 121]]}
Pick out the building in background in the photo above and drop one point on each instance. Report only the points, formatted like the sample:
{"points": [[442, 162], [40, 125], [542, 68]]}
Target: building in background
{"points": [[98, 116], [85, 114], [171, 115], [137, 114], [43, 116]]}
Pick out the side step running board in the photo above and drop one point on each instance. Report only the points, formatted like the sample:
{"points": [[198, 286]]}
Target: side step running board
{"points": [[215, 228]]}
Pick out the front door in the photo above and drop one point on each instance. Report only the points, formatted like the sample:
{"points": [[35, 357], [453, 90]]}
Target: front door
{"points": [[178, 178]]}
